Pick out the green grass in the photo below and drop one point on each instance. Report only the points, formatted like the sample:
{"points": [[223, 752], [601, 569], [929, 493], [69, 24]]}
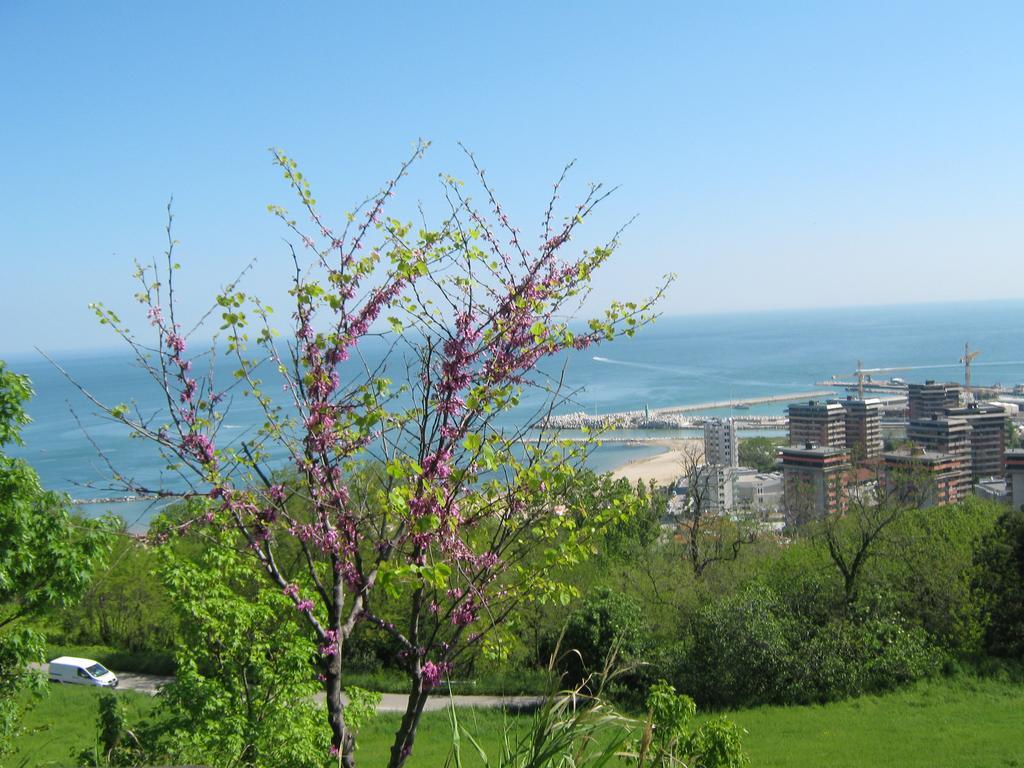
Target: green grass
{"points": [[433, 742], [957, 723], [65, 720], [960, 722]]}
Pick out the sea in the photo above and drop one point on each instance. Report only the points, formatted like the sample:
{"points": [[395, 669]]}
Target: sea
{"points": [[679, 360]]}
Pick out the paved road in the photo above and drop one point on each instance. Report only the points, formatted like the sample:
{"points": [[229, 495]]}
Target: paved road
{"points": [[395, 702], [390, 702]]}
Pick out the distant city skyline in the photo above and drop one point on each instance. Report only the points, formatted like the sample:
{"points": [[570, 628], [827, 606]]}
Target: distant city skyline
{"points": [[792, 157]]}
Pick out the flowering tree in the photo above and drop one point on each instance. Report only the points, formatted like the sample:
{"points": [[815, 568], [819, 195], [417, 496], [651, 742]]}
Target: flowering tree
{"points": [[415, 489]]}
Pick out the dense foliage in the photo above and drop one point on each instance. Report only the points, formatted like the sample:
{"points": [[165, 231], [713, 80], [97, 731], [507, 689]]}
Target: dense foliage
{"points": [[47, 556], [773, 626], [1000, 582], [761, 453]]}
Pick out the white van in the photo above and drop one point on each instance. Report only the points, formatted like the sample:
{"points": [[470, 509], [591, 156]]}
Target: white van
{"points": [[69, 669]]}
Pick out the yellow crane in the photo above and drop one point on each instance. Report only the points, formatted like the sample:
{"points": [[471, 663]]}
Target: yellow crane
{"points": [[966, 360]]}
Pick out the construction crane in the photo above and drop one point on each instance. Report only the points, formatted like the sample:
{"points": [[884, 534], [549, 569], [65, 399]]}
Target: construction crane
{"points": [[966, 360]]}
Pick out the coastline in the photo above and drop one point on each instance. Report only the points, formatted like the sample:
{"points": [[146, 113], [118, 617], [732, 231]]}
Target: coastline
{"points": [[662, 468]]}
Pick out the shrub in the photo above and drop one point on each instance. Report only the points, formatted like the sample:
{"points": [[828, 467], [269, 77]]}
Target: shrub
{"points": [[861, 655], [752, 648], [739, 647], [605, 622]]}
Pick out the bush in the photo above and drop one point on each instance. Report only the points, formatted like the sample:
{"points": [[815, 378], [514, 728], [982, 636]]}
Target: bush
{"points": [[126, 607], [604, 622], [926, 575], [752, 648], [866, 655], [740, 648]]}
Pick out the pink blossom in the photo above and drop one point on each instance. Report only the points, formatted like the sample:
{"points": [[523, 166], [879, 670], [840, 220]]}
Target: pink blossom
{"points": [[330, 646], [464, 614], [176, 343], [432, 674]]}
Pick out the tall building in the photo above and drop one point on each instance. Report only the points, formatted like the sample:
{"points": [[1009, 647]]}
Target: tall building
{"points": [[820, 424], [924, 477], [932, 399], [863, 424], [720, 444], [814, 481], [1015, 477], [946, 435], [988, 437]]}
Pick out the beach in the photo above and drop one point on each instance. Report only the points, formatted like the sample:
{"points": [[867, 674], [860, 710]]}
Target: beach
{"points": [[663, 468]]}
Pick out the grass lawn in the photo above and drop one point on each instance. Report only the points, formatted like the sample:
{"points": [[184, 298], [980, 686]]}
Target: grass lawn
{"points": [[433, 740], [65, 720], [962, 722], [957, 723]]}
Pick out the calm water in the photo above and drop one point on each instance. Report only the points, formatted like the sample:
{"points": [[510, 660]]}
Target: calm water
{"points": [[679, 360]]}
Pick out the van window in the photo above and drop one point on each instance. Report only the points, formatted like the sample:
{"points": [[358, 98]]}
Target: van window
{"points": [[98, 670], [83, 674]]}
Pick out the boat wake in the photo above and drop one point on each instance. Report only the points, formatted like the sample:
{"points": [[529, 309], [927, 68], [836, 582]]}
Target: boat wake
{"points": [[647, 366]]}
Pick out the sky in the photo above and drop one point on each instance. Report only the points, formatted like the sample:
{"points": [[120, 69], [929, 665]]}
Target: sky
{"points": [[778, 155]]}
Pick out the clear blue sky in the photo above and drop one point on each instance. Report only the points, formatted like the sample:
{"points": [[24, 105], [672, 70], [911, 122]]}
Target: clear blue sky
{"points": [[779, 154]]}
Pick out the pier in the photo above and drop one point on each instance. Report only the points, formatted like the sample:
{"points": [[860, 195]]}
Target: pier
{"points": [[672, 417], [792, 397], [116, 499]]}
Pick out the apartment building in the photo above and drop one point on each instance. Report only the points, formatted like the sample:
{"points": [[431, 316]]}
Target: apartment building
{"points": [[863, 425], [817, 423], [932, 399], [988, 438], [925, 478], [946, 435], [814, 481], [720, 444]]}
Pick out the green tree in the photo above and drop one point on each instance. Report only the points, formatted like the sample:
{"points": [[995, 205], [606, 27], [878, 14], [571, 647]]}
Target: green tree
{"points": [[927, 570], [1000, 585], [128, 607], [244, 691], [47, 555], [1013, 440], [867, 527], [761, 453], [605, 622]]}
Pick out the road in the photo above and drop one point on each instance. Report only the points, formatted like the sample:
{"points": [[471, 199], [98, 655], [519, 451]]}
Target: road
{"points": [[390, 702]]}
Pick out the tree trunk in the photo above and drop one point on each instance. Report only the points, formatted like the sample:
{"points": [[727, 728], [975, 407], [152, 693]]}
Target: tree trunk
{"points": [[342, 739], [406, 734]]}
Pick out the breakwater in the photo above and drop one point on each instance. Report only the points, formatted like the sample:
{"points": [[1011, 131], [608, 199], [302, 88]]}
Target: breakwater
{"points": [[117, 499], [674, 417]]}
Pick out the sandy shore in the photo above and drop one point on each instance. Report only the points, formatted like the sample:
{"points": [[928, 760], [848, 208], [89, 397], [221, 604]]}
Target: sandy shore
{"points": [[663, 468]]}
